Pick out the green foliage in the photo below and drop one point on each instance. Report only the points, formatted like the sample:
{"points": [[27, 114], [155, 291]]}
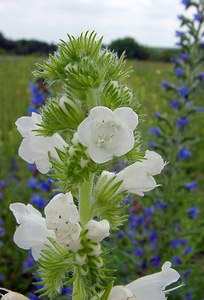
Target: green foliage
{"points": [[107, 201], [53, 267], [55, 118]]}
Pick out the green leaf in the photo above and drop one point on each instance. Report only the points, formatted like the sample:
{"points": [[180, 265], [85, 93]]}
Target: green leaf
{"points": [[53, 267], [107, 291]]}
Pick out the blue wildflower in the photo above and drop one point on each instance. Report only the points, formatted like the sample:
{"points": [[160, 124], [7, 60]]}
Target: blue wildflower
{"points": [[184, 153], [186, 2], [32, 183], [188, 296], [33, 87], [66, 290], [190, 186], [180, 34], [138, 251], [175, 60], [156, 261], [175, 104], [32, 168], [201, 76], [33, 296], [37, 99], [184, 57], [160, 205], [175, 243], [155, 131], [193, 212], [31, 109], [45, 185], [177, 260], [182, 122], [2, 277], [152, 145], [38, 201], [153, 236], [183, 91], [198, 17], [157, 115], [187, 250], [181, 17], [2, 231], [2, 184], [166, 85], [178, 72]]}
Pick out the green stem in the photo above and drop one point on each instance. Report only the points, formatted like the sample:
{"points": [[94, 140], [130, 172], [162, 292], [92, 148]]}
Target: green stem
{"points": [[85, 200], [77, 291]]}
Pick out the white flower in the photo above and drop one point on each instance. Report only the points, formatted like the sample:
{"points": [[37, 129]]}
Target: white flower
{"points": [[34, 148], [107, 133], [12, 296], [97, 230], [147, 287], [32, 232], [137, 178], [119, 292], [62, 216]]}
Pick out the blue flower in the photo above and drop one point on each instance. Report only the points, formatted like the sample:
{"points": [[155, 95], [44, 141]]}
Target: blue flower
{"points": [[175, 104], [2, 231], [198, 17], [184, 153], [37, 99], [183, 91], [138, 251], [190, 186], [33, 296], [181, 17], [160, 205], [186, 2], [155, 131], [199, 109], [153, 236], [33, 87], [188, 296], [32, 109], [165, 85], [184, 57], [182, 122], [180, 34], [152, 144], [176, 260], [2, 277], [201, 76], [157, 115], [32, 168], [187, 250], [175, 60], [2, 184], [156, 261], [38, 201], [32, 183], [175, 243], [45, 185], [193, 212], [178, 72]]}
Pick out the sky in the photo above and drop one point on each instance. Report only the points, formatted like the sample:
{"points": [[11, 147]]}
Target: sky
{"points": [[149, 22]]}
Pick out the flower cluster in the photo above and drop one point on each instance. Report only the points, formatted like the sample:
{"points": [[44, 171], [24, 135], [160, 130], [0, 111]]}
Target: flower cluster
{"points": [[76, 138]]}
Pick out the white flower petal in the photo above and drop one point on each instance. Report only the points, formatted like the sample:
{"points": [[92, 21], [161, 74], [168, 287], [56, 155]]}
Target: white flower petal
{"points": [[154, 163], [84, 132], [154, 284], [97, 230], [127, 116], [125, 142], [22, 211], [100, 113], [120, 292], [100, 155], [24, 151]]}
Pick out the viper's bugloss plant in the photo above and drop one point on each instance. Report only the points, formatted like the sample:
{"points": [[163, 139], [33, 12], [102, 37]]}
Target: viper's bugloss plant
{"points": [[77, 137], [168, 225]]}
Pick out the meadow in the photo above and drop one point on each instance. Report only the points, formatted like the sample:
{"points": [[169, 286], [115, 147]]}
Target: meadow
{"points": [[15, 74]]}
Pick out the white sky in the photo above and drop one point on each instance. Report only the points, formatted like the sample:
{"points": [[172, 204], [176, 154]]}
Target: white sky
{"points": [[150, 22]]}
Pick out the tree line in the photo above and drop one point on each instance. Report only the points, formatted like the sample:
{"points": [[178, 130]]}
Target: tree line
{"points": [[132, 48]]}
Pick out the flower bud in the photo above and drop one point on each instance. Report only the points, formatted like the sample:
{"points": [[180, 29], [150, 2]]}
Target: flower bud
{"points": [[97, 230]]}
